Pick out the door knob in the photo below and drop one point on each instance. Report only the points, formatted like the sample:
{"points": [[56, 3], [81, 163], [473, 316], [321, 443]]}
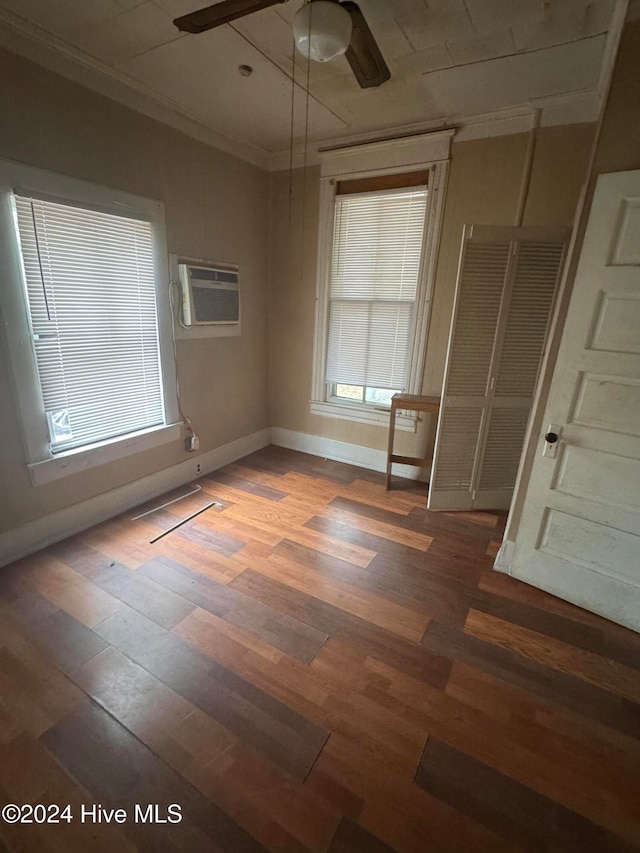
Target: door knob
{"points": [[551, 439]]}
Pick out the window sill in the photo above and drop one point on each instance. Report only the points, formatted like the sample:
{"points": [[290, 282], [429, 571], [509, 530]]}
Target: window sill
{"points": [[84, 458], [364, 415]]}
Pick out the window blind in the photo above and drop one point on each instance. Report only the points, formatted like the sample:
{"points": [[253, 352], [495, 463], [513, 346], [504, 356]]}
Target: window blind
{"points": [[375, 267], [90, 285]]}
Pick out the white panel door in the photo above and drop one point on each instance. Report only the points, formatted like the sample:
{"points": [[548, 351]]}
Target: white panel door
{"points": [[579, 536]]}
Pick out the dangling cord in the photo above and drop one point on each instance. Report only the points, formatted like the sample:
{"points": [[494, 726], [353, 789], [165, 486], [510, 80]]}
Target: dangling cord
{"points": [[35, 234], [293, 97], [306, 145], [178, 314]]}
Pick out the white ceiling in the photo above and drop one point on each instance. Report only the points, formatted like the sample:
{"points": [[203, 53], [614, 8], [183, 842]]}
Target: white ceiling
{"points": [[448, 59]]}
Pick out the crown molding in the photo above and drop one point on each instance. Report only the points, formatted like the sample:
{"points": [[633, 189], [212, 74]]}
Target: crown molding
{"points": [[573, 108], [54, 54]]}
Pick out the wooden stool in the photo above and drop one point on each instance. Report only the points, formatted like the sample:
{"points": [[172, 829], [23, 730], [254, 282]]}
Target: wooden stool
{"points": [[413, 403]]}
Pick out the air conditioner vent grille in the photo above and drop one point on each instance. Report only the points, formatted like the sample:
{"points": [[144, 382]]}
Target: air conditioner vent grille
{"points": [[213, 305], [210, 295]]}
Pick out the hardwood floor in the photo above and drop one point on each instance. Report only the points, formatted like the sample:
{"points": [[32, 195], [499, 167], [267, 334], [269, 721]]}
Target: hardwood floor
{"points": [[315, 665]]}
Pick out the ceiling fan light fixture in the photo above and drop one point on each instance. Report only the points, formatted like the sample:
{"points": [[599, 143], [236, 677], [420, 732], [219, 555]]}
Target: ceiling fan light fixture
{"points": [[322, 30]]}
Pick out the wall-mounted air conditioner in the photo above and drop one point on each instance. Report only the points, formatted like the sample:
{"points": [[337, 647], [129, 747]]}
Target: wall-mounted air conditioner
{"points": [[210, 294]]}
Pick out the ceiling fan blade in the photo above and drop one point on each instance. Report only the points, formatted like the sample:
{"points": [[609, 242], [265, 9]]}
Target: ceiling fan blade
{"points": [[220, 13], [363, 54]]}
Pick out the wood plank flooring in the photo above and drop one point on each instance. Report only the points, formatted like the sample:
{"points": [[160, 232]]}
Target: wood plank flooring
{"points": [[315, 665]]}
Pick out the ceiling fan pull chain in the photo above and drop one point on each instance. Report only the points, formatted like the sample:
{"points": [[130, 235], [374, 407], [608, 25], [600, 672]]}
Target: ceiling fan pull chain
{"points": [[293, 99], [304, 169]]}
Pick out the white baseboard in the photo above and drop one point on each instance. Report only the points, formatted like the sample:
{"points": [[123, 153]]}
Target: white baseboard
{"points": [[339, 451], [65, 522], [44, 531], [504, 557]]}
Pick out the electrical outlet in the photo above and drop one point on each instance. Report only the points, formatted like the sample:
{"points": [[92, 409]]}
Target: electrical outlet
{"points": [[198, 468]]}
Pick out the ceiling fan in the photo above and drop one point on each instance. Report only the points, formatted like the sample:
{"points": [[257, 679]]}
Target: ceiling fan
{"points": [[323, 29]]}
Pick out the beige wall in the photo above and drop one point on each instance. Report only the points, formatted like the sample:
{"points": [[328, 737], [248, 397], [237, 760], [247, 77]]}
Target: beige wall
{"points": [[216, 208], [617, 150], [485, 179]]}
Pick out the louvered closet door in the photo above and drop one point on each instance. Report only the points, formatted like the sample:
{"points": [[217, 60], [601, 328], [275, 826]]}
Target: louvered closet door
{"points": [[481, 282], [506, 283], [527, 309]]}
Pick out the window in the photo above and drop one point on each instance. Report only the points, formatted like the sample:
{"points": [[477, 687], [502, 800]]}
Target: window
{"points": [[96, 380], [373, 283], [378, 243], [91, 296]]}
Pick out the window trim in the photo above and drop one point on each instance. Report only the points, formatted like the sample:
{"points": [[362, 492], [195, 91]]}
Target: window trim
{"points": [[404, 157], [42, 465]]}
